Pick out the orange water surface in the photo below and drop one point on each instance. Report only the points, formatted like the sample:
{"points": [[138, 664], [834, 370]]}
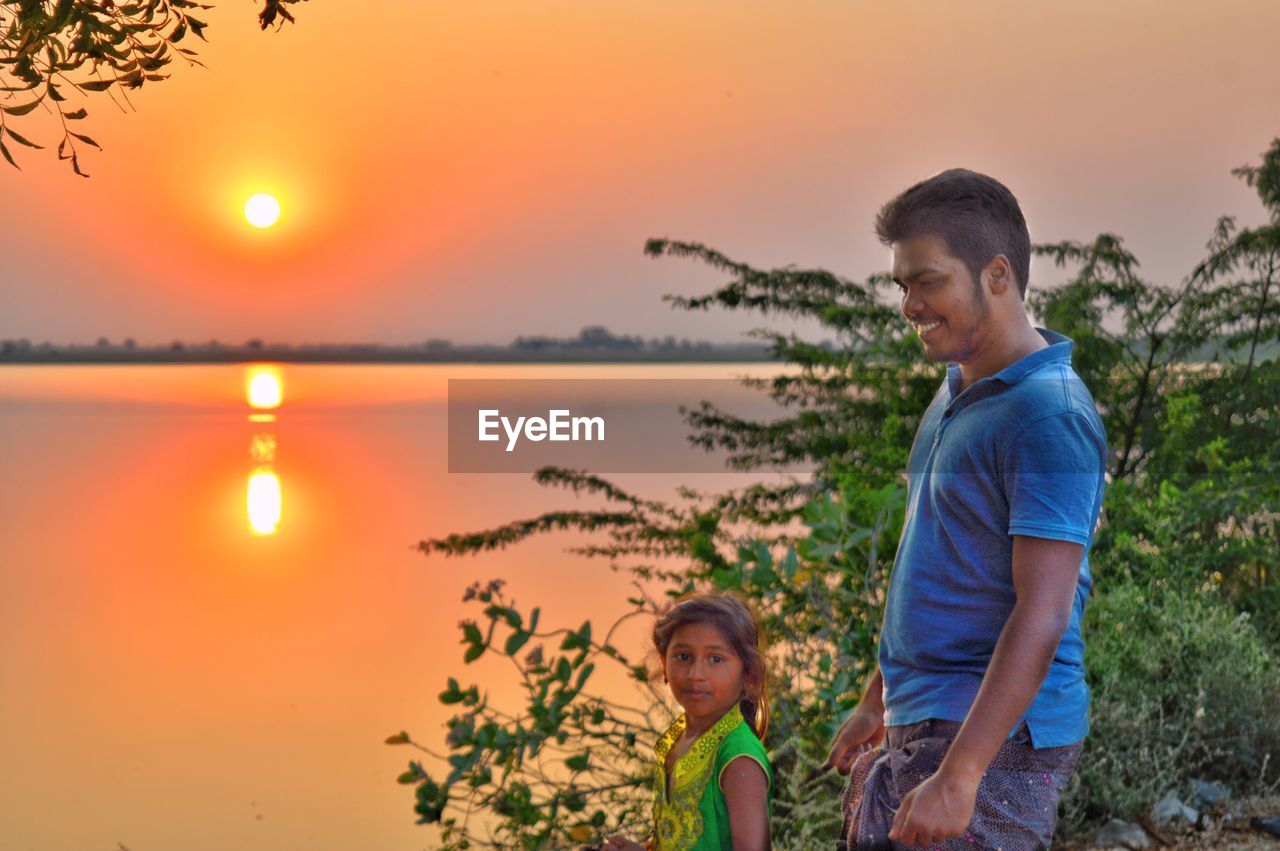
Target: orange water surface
{"points": [[194, 661]]}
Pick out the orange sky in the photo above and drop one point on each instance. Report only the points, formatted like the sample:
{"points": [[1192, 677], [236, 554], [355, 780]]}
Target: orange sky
{"points": [[481, 170]]}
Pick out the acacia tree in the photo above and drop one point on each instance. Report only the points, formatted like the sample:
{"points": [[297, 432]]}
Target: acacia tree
{"points": [[51, 48], [1189, 388], [1186, 386]]}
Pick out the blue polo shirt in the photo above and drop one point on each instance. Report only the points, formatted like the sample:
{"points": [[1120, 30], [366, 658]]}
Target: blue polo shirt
{"points": [[1022, 452]]}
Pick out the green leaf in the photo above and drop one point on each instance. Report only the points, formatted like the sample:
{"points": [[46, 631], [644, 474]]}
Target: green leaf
{"points": [[97, 85], [763, 555], [790, 563], [578, 762], [473, 653], [431, 801], [471, 634], [858, 537], [515, 641], [762, 576], [580, 640], [452, 694], [413, 775], [75, 115], [401, 738]]}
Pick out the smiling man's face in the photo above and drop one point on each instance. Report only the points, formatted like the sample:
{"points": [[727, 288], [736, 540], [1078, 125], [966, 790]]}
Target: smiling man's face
{"points": [[949, 311]]}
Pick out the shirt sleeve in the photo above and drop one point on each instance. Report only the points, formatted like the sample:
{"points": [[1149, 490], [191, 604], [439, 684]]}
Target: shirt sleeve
{"points": [[740, 745], [1053, 473]]}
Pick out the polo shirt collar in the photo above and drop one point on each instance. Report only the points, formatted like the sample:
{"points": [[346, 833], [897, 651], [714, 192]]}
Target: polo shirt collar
{"points": [[1059, 349]]}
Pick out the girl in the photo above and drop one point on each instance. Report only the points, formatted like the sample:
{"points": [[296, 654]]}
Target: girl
{"points": [[711, 779]]}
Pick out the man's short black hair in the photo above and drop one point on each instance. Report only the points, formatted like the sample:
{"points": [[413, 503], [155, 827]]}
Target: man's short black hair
{"points": [[975, 215]]}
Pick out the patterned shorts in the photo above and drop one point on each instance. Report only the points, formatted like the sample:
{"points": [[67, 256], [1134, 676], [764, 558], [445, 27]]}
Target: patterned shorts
{"points": [[1017, 802]]}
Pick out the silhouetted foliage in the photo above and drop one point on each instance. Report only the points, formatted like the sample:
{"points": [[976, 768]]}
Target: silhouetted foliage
{"points": [[52, 48]]}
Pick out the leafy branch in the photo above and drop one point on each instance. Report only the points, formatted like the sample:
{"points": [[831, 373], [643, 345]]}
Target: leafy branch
{"points": [[49, 48]]}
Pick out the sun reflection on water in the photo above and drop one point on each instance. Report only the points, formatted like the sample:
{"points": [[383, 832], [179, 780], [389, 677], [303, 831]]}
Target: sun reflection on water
{"points": [[264, 502], [264, 389], [262, 449]]}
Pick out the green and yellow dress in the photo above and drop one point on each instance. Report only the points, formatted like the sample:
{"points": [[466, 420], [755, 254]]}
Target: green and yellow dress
{"points": [[693, 816]]}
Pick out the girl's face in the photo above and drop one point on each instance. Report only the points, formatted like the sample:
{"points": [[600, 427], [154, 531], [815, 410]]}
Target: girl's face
{"points": [[705, 675]]}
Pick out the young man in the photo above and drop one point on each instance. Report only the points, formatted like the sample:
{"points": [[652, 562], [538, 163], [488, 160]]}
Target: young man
{"points": [[971, 725]]}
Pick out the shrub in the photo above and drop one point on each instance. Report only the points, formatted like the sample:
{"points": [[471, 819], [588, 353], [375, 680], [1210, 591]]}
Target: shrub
{"points": [[1183, 687]]}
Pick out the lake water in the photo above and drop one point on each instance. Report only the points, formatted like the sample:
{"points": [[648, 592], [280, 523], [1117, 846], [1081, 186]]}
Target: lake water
{"points": [[209, 624]]}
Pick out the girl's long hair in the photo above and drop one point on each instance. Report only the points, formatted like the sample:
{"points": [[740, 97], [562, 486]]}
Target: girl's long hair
{"points": [[733, 618]]}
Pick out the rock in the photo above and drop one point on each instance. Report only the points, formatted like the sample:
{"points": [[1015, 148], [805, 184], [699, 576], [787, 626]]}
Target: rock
{"points": [[1122, 834], [1205, 795], [1170, 810], [1267, 824]]}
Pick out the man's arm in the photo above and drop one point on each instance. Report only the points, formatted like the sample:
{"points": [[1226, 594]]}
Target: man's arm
{"points": [[1045, 573], [862, 729]]}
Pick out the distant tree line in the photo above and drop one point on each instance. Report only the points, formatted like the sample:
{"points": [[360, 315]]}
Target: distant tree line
{"points": [[593, 342], [597, 337]]}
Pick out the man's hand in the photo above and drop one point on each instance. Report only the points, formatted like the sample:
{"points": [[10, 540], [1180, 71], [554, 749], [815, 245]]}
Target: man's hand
{"points": [[937, 810], [862, 730]]}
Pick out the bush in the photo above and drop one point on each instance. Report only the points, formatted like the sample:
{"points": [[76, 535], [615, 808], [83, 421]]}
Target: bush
{"points": [[1183, 687]]}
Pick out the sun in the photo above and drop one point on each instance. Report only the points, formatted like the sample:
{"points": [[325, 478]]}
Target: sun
{"points": [[262, 210]]}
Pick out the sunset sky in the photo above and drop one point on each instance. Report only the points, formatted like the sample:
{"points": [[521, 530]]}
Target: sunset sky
{"points": [[480, 170]]}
